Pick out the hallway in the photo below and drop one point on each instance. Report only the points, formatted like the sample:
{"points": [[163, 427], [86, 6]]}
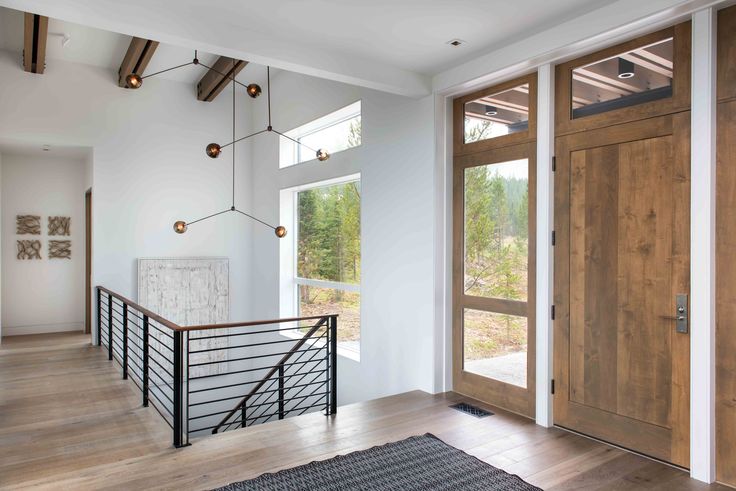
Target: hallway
{"points": [[68, 421]]}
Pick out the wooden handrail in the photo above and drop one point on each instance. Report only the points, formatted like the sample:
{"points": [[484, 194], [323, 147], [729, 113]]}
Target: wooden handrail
{"points": [[142, 310], [204, 327], [273, 370]]}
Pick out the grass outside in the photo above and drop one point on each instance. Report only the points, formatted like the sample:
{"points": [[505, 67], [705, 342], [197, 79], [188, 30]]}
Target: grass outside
{"points": [[323, 301], [489, 335]]}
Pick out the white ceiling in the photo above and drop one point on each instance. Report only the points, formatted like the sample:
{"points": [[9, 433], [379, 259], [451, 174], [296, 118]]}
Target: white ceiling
{"points": [[106, 49], [393, 45], [27, 149]]}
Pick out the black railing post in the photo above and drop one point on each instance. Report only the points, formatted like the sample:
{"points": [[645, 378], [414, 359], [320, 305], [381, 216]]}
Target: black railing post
{"points": [[333, 364], [281, 391], [109, 326], [99, 318], [243, 416], [125, 341], [145, 360], [177, 388]]}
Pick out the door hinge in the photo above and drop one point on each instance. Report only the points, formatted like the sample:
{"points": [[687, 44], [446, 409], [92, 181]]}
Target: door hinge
{"points": [[554, 164], [552, 386], [552, 312], [553, 238]]}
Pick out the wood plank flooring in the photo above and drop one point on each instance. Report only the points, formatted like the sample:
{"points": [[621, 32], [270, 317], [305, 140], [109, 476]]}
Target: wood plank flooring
{"points": [[68, 421]]}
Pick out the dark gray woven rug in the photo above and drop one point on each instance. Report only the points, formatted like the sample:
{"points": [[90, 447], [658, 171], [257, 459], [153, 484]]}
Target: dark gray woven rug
{"points": [[417, 463]]}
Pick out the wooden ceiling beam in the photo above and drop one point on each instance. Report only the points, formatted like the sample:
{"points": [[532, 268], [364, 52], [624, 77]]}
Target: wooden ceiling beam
{"points": [[213, 83], [34, 42], [136, 59]]}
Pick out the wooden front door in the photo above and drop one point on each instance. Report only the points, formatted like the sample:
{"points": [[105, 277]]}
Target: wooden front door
{"points": [[622, 219]]}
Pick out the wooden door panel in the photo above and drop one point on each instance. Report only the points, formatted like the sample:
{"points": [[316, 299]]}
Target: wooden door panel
{"points": [[622, 258], [726, 295]]}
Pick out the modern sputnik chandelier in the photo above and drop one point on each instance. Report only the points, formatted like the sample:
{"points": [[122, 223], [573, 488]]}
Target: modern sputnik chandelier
{"points": [[213, 150]]}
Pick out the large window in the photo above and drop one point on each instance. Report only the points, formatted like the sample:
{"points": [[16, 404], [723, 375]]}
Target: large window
{"points": [[325, 261], [334, 132]]}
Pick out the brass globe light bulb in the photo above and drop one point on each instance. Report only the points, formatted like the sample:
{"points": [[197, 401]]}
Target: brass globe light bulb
{"points": [[213, 150], [322, 155], [180, 227], [280, 231], [134, 81], [253, 90]]}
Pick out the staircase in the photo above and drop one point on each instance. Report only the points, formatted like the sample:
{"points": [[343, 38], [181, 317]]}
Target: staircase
{"points": [[214, 378]]}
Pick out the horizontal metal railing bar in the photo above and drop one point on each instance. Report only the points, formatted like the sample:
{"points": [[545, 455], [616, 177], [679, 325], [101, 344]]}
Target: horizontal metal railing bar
{"points": [[274, 380], [155, 406], [247, 370], [142, 310], [304, 386], [161, 331], [240, 396], [318, 404], [152, 341], [152, 386], [265, 343], [206, 327], [165, 357], [208, 389], [164, 382], [253, 357], [253, 406], [155, 396], [248, 333], [166, 371]]}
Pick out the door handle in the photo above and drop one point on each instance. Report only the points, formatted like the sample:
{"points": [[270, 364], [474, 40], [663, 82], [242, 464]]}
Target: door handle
{"points": [[681, 318], [682, 313]]}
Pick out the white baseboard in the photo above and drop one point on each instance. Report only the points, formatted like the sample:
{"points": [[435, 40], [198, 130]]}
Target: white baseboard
{"points": [[42, 328]]}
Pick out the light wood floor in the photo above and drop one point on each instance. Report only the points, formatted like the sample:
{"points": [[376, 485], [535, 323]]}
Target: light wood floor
{"points": [[67, 421]]}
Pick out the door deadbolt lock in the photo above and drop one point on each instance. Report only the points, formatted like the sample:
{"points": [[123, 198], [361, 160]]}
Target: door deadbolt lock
{"points": [[682, 314]]}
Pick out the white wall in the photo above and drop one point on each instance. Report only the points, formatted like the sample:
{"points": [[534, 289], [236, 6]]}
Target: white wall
{"points": [[149, 165], [44, 295], [396, 163]]}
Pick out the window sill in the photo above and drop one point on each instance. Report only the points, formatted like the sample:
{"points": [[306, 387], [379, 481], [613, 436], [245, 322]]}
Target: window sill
{"points": [[349, 353]]}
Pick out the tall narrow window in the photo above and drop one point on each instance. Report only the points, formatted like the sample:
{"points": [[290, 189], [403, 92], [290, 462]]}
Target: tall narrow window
{"points": [[334, 132], [327, 256], [496, 266]]}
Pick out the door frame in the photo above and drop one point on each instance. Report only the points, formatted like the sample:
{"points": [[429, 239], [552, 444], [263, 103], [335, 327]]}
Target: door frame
{"points": [[88, 261], [521, 145]]}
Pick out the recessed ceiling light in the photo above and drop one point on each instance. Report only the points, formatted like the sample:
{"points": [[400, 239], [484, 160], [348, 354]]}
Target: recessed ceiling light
{"points": [[491, 111], [455, 42], [46, 148], [625, 68]]}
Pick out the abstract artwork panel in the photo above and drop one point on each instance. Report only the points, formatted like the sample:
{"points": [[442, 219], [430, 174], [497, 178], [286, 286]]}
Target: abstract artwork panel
{"points": [[29, 249], [60, 225], [28, 225], [189, 292], [60, 249]]}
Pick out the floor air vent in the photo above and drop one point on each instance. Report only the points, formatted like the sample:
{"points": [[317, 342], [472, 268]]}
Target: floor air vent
{"points": [[472, 410]]}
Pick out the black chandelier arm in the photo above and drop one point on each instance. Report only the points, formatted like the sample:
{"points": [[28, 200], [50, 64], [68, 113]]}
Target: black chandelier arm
{"points": [[229, 77], [209, 216], [167, 70], [243, 138], [295, 141], [268, 90], [256, 219]]}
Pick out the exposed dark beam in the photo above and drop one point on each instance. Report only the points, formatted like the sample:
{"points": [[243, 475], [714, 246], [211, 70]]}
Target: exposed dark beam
{"points": [[34, 42], [213, 82], [136, 59]]}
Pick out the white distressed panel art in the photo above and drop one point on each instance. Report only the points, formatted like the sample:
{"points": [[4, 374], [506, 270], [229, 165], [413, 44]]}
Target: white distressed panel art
{"points": [[189, 292]]}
